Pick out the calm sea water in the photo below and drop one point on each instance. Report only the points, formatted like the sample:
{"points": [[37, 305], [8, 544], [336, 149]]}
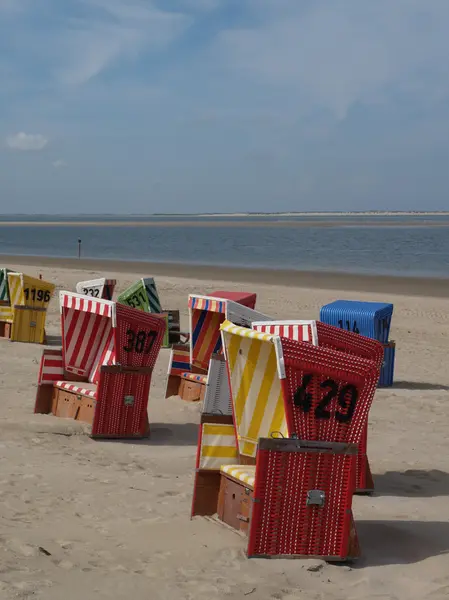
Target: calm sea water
{"points": [[377, 244]]}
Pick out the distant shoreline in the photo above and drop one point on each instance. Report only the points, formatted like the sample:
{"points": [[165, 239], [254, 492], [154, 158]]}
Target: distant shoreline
{"points": [[385, 284], [369, 213], [223, 223]]}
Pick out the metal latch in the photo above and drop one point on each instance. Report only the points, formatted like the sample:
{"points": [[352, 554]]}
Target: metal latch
{"points": [[315, 498], [32, 323], [129, 400], [242, 518]]}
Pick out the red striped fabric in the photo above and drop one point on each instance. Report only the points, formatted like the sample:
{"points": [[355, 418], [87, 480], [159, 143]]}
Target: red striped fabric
{"points": [[205, 335], [77, 389], [300, 333], [87, 335], [51, 369]]}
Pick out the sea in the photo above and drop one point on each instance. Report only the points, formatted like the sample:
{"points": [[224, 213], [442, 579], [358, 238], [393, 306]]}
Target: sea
{"points": [[400, 245]]}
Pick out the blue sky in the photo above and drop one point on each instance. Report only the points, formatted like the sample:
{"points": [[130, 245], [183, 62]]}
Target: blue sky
{"points": [[223, 105]]}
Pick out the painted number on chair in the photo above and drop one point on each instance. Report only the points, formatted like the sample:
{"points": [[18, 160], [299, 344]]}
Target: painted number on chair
{"points": [[36, 294], [136, 300], [347, 397], [91, 292], [140, 341], [355, 329]]}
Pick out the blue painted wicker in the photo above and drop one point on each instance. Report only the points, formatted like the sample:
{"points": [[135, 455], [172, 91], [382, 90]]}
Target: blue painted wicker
{"points": [[387, 370], [371, 319]]}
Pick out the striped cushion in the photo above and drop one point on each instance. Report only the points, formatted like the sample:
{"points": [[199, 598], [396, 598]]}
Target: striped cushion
{"points": [[195, 377], [77, 389], [218, 446], [244, 473]]}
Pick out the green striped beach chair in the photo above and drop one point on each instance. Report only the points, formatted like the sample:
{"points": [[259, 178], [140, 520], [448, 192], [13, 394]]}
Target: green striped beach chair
{"points": [[4, 287], [143, 295]]}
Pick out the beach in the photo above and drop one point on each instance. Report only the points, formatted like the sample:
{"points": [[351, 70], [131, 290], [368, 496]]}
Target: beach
{"points": [[88, 519]]}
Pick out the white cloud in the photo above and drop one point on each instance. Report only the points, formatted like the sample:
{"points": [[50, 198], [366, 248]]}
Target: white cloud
{"points": [[59, 164], [114, 29], [26, 141], [335, 54]]}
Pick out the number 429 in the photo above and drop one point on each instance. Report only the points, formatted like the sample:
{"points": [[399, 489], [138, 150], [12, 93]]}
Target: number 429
{"points": [[346, 399]]}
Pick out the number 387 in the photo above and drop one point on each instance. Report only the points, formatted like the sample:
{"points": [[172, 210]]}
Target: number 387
{"points": [[140, 341]]}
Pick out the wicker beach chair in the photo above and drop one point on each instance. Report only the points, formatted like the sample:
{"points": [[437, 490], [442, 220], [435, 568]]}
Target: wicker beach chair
{"points": [[369, 319], [299, 412], [23, 315], [327, 336], [102, 374], [143, 295], [203, 355], [97, 288]]}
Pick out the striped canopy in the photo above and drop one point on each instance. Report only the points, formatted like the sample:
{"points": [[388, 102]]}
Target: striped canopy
{"points": [[255, 370]]}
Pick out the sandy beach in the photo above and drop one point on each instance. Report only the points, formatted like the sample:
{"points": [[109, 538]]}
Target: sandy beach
{"points": [[89, 519]]}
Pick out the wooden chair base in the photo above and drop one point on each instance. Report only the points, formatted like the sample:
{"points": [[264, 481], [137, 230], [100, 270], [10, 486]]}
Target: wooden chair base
{"points": [[191, 391], [5, 329], [70, 405]]}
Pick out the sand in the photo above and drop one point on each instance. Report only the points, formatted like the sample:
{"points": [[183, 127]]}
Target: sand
{"points": [[88, 519]]}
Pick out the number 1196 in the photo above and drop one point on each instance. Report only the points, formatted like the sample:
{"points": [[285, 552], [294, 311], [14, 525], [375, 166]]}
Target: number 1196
{"points": [[35, 294]]}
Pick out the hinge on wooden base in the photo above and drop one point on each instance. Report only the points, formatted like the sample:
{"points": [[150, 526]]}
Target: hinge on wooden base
{"points": [[242, 518]]}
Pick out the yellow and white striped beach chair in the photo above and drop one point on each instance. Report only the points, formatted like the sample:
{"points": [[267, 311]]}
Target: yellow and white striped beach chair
{"points": [[258, 411]]}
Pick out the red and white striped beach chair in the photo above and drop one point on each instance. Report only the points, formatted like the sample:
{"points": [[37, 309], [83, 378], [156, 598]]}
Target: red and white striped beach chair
{"points": [[299, 413], [327, 336], [102, 374]]}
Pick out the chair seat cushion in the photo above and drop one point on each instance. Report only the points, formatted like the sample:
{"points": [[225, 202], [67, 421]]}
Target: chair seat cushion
{"points": [[195, 377], [244, 473], [78, 387]]}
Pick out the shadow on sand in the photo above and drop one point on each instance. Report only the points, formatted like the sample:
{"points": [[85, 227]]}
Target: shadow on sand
{"points": [[400, 542], [419, 385], [414, 483], [165, 434]]}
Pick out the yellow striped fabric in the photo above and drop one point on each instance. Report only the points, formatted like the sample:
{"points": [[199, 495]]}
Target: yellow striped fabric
{"points": [[16, 289], [244, 332], [6, 314], [244, 473], [255, 385], [218, 446]]}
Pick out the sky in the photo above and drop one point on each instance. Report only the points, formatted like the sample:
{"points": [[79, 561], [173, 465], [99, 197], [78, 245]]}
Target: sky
{"points": [[181, 106]]}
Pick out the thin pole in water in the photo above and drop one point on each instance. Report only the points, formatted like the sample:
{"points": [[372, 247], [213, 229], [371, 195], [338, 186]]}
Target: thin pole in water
{"points": [[79, 248]]}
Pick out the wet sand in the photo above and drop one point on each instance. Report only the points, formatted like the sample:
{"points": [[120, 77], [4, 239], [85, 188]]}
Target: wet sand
{"points": [[382, 284]]}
